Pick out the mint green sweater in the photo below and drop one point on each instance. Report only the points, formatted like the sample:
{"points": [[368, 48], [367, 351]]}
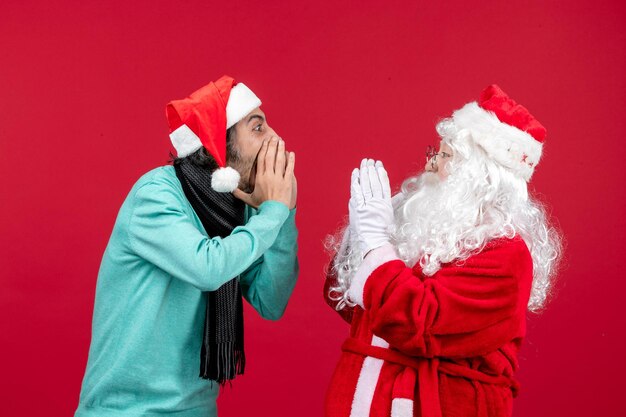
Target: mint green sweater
{"points": [[148, 319]]}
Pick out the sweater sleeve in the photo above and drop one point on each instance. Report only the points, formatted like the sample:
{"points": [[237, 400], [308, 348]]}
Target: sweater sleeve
{"points": [[163, 234], [269, 282], [463, 310]]}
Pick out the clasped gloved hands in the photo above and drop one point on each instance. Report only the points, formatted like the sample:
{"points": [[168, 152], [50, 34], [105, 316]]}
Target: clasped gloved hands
{"points": [[370, 208]]}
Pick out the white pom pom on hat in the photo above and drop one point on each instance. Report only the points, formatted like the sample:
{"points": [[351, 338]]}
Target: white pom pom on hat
{"points": [[202, 120], [225, 180]]}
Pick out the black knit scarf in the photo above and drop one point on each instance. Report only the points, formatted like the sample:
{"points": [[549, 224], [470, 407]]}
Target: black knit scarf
{"points": [[222, 356]]}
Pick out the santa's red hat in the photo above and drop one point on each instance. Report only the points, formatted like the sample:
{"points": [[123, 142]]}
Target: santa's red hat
{"points": [[506, 130], [202, 120]]}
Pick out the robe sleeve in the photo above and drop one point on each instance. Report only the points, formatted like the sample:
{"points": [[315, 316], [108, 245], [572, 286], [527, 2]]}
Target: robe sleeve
{"points": [[269, 282], [463, 310], [163, 234]]}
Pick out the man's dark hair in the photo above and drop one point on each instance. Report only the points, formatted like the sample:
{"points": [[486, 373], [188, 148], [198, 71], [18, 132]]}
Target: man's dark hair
{"points": [[203, 158]]}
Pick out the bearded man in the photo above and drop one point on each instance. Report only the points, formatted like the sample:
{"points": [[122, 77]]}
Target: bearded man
{"points": [[168, 316], [437, 280]]}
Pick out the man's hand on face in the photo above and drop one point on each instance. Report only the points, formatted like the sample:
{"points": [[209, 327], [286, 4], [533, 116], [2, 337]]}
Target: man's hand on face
{"points": [[275, 178]]}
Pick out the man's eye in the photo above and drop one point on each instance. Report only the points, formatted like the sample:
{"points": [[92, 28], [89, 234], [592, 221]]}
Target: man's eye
{"points": [[257, 128]]}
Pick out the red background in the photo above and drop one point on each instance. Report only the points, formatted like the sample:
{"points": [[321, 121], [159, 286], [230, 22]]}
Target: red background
{"points": [[82, 94]]}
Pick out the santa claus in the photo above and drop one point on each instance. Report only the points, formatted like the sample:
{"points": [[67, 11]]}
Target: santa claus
{"points": [[436, 281]]}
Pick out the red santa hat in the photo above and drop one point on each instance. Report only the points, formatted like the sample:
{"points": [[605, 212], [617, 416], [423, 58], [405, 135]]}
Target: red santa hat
{"points": [[202, 120], [506, 130]]}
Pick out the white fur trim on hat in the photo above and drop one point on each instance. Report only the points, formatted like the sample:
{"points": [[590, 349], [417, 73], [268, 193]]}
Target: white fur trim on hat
{"points": [[225, 180], [508, 145], [185, 141], [240, 102]]}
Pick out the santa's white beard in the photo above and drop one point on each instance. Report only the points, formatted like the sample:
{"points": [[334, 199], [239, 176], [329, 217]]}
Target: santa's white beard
{"points": [[436, 221], [439, 221]]}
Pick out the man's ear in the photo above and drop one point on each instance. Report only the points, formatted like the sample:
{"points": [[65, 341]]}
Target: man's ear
{"points": [[231, 141], [231, 134]]}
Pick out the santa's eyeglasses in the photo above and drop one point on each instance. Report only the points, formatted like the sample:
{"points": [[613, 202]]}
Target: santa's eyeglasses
{"points": [[431, 155]]}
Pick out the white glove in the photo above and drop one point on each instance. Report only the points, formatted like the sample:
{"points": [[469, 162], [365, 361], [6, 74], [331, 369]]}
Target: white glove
{"points": [[371, 212]]}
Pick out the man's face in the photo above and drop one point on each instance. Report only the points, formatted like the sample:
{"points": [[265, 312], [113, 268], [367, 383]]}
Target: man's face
{"points": [[247, 136], [437, 164]]}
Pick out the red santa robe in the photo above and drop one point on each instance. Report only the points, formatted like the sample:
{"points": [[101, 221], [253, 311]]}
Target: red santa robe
{"points": [[444, 345]]}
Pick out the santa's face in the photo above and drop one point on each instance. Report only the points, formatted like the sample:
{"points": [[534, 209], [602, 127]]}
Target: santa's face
{"points": [[247, 136], [437, 164]]}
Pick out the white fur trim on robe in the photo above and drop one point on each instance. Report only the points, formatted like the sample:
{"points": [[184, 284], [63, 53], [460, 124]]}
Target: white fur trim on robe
{"points": [[372, 261], [401, 407], [368, 379]]}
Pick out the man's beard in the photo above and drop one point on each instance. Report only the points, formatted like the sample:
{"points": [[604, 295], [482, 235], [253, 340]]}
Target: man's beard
{"points": [[246, 169], [441, 222], [431, 218], [417, 209], [444, 221], [436, 222]]}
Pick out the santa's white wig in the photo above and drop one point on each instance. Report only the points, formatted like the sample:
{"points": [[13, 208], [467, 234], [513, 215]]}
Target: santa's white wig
{"points": [[438, 222]]}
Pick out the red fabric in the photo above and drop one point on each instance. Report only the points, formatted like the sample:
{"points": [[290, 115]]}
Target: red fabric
{"points": [[508, 111], [204, 112], [467, 322], [428, 370]]}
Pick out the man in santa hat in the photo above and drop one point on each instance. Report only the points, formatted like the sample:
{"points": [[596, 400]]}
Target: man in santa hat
{"points": [[437, 280], [189, 241]]}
